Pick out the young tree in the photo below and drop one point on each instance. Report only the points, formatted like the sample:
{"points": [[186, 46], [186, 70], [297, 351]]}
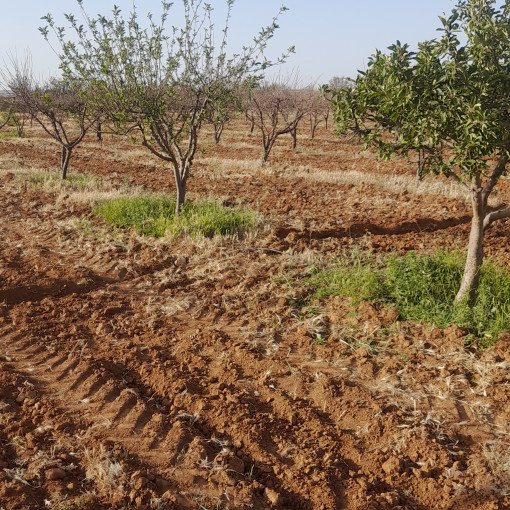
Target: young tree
{"points": [[59, 108], [163, 84], [6, 108], [318, 110], [275, 110], [226, 103], [449, 102]]}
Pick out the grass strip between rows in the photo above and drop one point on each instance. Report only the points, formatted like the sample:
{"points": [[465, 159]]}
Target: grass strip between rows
{"points": [[422, 287]]}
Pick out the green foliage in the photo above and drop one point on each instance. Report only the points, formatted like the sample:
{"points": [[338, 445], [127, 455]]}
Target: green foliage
{"points": [[423, 288], [10, 134], [450, 99], [155, 216], [448, 102]]}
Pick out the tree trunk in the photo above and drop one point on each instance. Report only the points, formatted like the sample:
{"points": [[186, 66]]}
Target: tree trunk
{"points": [[267, 149], [313, 127], [474, 257], [66, 156], [326, 117], [218, 130], [181, 170], [293, 133]]}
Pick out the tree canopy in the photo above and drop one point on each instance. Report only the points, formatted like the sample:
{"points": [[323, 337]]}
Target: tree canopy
{"points": [[449, 102]]}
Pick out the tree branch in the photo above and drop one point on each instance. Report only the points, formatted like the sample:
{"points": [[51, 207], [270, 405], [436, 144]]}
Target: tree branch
{"points": [[495, 215]]}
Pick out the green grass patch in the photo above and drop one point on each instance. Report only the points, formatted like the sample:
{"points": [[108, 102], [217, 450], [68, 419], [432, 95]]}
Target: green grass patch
{"points": [[423, 287], [356, 276], [9, 134], [74, 182], [155, 216]]}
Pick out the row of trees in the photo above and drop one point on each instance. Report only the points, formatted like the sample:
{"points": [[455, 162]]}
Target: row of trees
{"points": [[160, 83], [62, 111], [164, 83], [449, 102]]}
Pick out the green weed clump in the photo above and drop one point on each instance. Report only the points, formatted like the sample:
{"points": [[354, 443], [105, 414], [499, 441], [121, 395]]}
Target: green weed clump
{"points": [[423, 288], [356, 276], [74, 182], [10, 134], [155, 216]]}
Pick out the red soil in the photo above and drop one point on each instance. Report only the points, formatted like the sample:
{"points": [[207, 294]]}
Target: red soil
{"points": [[139, 374]]}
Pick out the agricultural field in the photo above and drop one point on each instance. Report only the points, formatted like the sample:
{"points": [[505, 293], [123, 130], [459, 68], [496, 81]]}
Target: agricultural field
{"points": [[188, 372]]}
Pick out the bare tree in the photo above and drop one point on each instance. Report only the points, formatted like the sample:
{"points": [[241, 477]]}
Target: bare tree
{"points": [[6, 109], [340, 82], [60, 109], [318, 110], [275, 110]]}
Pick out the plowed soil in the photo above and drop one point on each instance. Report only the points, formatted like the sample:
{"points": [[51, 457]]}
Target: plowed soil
{"points": [[142, 373]]}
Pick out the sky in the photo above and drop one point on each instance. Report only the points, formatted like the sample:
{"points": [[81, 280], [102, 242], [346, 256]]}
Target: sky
{"points": [[331, 37]]}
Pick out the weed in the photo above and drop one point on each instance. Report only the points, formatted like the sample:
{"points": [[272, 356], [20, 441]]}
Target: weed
{"points": [[422, 287], [356, 277], [10, 134], [74, 182], [100, 469], [155, 216]]}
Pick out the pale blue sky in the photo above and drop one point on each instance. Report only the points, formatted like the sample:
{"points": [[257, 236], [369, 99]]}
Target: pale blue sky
{"points": [[332, 37]]}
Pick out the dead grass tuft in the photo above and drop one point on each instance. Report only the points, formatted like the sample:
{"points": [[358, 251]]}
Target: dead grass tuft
{"points": [[102, 470]]}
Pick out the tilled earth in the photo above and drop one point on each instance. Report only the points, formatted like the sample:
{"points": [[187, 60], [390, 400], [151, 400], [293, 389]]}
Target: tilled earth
{"points": [[137, 373]]}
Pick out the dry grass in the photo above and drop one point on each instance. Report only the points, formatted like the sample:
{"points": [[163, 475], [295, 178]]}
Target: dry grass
{"points": [[102, 470]]}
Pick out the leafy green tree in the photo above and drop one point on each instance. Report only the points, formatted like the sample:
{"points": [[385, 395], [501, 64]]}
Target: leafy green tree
{"points": [[161, 82], [449, 102]]}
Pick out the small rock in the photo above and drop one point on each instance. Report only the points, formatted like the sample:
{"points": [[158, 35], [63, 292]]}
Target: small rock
{"points": [[236, 464], [392, 314], [181, 261], [55, 474], [163, 485], [103, 329], [183, 502], [418, 473], [168, 496], [272, 496]]}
